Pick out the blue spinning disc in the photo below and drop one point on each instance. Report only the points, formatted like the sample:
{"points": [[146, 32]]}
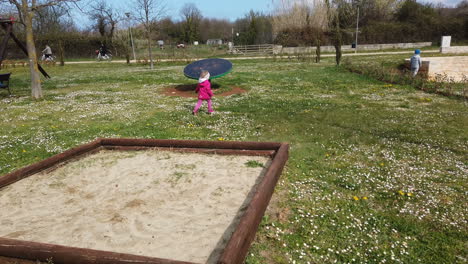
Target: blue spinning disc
{"points": [[216, 67]]}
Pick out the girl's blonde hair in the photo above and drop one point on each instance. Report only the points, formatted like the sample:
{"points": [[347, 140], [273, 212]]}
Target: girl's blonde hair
{"points": [[203, 73]]}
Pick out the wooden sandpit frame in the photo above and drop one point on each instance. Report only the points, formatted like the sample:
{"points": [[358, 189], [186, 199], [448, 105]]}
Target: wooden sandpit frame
{"points": [[237, 246]]}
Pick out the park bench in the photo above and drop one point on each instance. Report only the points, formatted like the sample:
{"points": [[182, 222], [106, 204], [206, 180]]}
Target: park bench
{"points": [[5, 81]]}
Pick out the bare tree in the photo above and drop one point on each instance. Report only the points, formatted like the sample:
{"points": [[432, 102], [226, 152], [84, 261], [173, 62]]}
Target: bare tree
{"points": [[288, 14], [308, 15], [340, 13], [377, 10], [27, 11], [192, 17], [149, 11], [52, 19], [105, 17], [121, 42], [53, 23], [318, 20]]}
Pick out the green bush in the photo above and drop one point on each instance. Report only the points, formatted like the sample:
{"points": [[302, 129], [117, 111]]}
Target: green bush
{"points": [[440, 84]]}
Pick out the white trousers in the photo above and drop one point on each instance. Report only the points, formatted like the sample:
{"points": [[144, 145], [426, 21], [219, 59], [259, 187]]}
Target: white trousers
{"points": [[414, 71]]}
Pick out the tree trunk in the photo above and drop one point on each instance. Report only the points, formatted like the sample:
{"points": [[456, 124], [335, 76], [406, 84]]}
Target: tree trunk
{"points": [[338, 53], [338, 44], [338, 39], [36, 88], [61, 52], [149, 50], [317, 51]]}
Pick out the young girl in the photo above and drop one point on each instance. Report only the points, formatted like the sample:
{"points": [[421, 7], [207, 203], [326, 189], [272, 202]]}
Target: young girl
{"points": [[204, 92]]}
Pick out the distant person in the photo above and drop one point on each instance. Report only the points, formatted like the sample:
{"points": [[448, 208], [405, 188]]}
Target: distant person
{"points": [[161, 44], [415, 62], [47, 53], [204, 92], [103, 53], [103, 50]]}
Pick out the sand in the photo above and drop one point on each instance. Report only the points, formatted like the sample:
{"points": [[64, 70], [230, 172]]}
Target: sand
{"points": [[180, 206]]}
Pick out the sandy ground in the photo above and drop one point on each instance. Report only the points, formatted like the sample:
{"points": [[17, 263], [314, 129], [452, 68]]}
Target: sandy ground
{"points": [[180, 206]]}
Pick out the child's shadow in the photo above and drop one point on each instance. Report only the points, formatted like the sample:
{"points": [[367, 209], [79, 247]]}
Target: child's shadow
{"points": [[192, 87], [186, 87]]}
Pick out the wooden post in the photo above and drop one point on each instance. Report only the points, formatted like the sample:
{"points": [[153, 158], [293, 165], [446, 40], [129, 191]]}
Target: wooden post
{"points": [[4, 43]]}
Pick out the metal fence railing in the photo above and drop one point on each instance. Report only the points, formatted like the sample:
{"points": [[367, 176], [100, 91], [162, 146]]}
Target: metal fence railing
{"points": [[252, 49]]}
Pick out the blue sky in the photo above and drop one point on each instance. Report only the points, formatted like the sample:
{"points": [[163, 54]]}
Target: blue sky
{"points": [[446, 2], [222, 9], [229, 9]]}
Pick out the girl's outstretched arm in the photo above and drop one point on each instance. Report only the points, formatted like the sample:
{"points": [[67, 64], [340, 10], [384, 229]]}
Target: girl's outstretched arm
{"points": [[210, 92]]}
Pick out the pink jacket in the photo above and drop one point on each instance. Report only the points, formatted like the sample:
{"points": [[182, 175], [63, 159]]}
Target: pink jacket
{"points": [[204, 90]]}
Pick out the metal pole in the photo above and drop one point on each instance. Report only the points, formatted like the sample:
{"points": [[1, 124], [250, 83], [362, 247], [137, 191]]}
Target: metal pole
{"points": [[357, 29]]}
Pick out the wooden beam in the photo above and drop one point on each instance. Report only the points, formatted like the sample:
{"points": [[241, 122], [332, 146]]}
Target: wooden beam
{"points": [[21, 46], [4, 44]]}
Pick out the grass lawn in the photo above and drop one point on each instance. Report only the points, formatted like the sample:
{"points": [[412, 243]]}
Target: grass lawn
{"points": [[377, 172]]}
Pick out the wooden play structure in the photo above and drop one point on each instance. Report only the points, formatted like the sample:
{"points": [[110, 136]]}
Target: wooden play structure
{"points": [[5, 82], [7, 25]]}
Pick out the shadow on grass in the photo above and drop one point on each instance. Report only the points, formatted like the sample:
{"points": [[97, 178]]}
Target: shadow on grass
{"points": [[192, 87]]}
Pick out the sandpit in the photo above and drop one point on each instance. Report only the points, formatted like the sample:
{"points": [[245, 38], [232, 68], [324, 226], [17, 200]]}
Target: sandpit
{"points": [[180, 206], [118, 213]]}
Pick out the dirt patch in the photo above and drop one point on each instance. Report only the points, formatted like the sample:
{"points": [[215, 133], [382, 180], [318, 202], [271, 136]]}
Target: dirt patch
{"points": [[188, 90]]}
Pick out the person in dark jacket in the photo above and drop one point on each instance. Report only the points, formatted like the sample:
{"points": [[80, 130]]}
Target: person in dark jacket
{"points": [[103, 50]]}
